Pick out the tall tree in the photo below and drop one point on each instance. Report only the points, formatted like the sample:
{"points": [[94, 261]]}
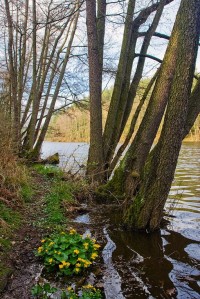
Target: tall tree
{"points": [[95, 32], [37, 52], [102, 148], [146, 211]]}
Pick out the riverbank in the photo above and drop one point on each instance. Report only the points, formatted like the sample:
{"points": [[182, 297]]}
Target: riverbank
{"points": [[49, 203]]}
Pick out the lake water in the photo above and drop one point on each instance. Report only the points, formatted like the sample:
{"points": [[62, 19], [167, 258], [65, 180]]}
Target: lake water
{"points": [[164, 264]]}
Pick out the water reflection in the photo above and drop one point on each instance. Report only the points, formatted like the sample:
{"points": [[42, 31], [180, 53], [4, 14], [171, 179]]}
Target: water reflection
{"points": [[166, 263]]}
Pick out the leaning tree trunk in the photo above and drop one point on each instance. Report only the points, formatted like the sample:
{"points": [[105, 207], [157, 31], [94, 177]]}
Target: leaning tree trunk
{"points": [[146, 211], [127, 176]]}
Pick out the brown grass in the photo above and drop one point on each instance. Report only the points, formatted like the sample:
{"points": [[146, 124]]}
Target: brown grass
{"points": [[12, 173]]}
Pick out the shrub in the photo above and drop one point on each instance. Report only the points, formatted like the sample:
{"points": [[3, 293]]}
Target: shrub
{"points": [[45, 291], [68, 253]]}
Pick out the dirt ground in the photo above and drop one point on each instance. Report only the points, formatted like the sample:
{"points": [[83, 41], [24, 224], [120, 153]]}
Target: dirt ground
{"points": [[21, 259]]}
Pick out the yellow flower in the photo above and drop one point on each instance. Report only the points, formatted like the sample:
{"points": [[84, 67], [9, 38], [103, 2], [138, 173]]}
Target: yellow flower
{"points": [[93, 240], [51, 243], [59, 252], [78, 265], [43, 240], [72, 231], [50, 261], [61, 266], [86, 263], [62, 233], [40, 249], [76, 251], [86, 245], [69, 288], [67, 264], [94, 255], [96, 246], [89, 286], [76, 270]]}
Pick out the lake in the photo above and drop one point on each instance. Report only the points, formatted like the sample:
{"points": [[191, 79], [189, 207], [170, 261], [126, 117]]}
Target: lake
{"points": [[164, 264]]}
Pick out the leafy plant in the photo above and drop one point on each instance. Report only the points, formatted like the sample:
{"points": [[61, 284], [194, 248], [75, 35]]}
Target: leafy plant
{"points": [[45, 291], [68, 253], [87, 292]]}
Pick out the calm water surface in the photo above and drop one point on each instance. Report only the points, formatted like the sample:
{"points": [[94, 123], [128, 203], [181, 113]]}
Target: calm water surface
{"points": [[165, 264]]}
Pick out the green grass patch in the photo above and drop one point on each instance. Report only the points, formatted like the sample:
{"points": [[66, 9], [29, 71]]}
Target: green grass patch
{"points": [[11, 217], [60, 194], [49, 171], [10, 220], [27, 192]]}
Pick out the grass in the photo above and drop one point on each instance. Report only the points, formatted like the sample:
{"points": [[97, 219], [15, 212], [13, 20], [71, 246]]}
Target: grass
{"points": [[27, 192], [9, 221], [49, 194], [49, 171], [59, 195]]}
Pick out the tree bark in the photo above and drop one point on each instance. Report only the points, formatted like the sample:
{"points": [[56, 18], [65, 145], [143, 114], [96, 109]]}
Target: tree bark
{"points": [[128, 175], [124, 93], [95, 53], [146, 211], [13, 78]]}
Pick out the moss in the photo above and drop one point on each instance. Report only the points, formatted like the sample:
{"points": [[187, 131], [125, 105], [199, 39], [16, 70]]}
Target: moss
{"points": [[114, 189], [132, 213]]}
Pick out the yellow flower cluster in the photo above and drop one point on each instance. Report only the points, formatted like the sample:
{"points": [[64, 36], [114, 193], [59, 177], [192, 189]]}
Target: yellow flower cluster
{"points": [[72, 231], [86, 263], [94, 255], [96, 246], [76, 251], [89, 286], [64, 264]]}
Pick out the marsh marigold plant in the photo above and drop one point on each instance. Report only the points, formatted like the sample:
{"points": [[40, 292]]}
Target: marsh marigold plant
{"points": [[68, 253]]}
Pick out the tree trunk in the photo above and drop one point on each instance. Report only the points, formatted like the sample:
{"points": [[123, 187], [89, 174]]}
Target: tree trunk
{"points": [[95, 158], [128, 175], [36, 150], [124, 93], [146, 211], [13, 79]]}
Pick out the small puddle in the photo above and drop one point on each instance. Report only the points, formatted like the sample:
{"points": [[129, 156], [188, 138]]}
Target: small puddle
{"points": [[85, 219]]}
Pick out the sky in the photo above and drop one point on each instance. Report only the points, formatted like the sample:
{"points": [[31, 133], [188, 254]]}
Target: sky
{"points": [[157, 47]]}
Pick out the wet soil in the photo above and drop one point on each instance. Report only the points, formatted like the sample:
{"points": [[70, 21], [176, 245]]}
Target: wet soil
{"points": [[26, 269], [21, 260]]}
